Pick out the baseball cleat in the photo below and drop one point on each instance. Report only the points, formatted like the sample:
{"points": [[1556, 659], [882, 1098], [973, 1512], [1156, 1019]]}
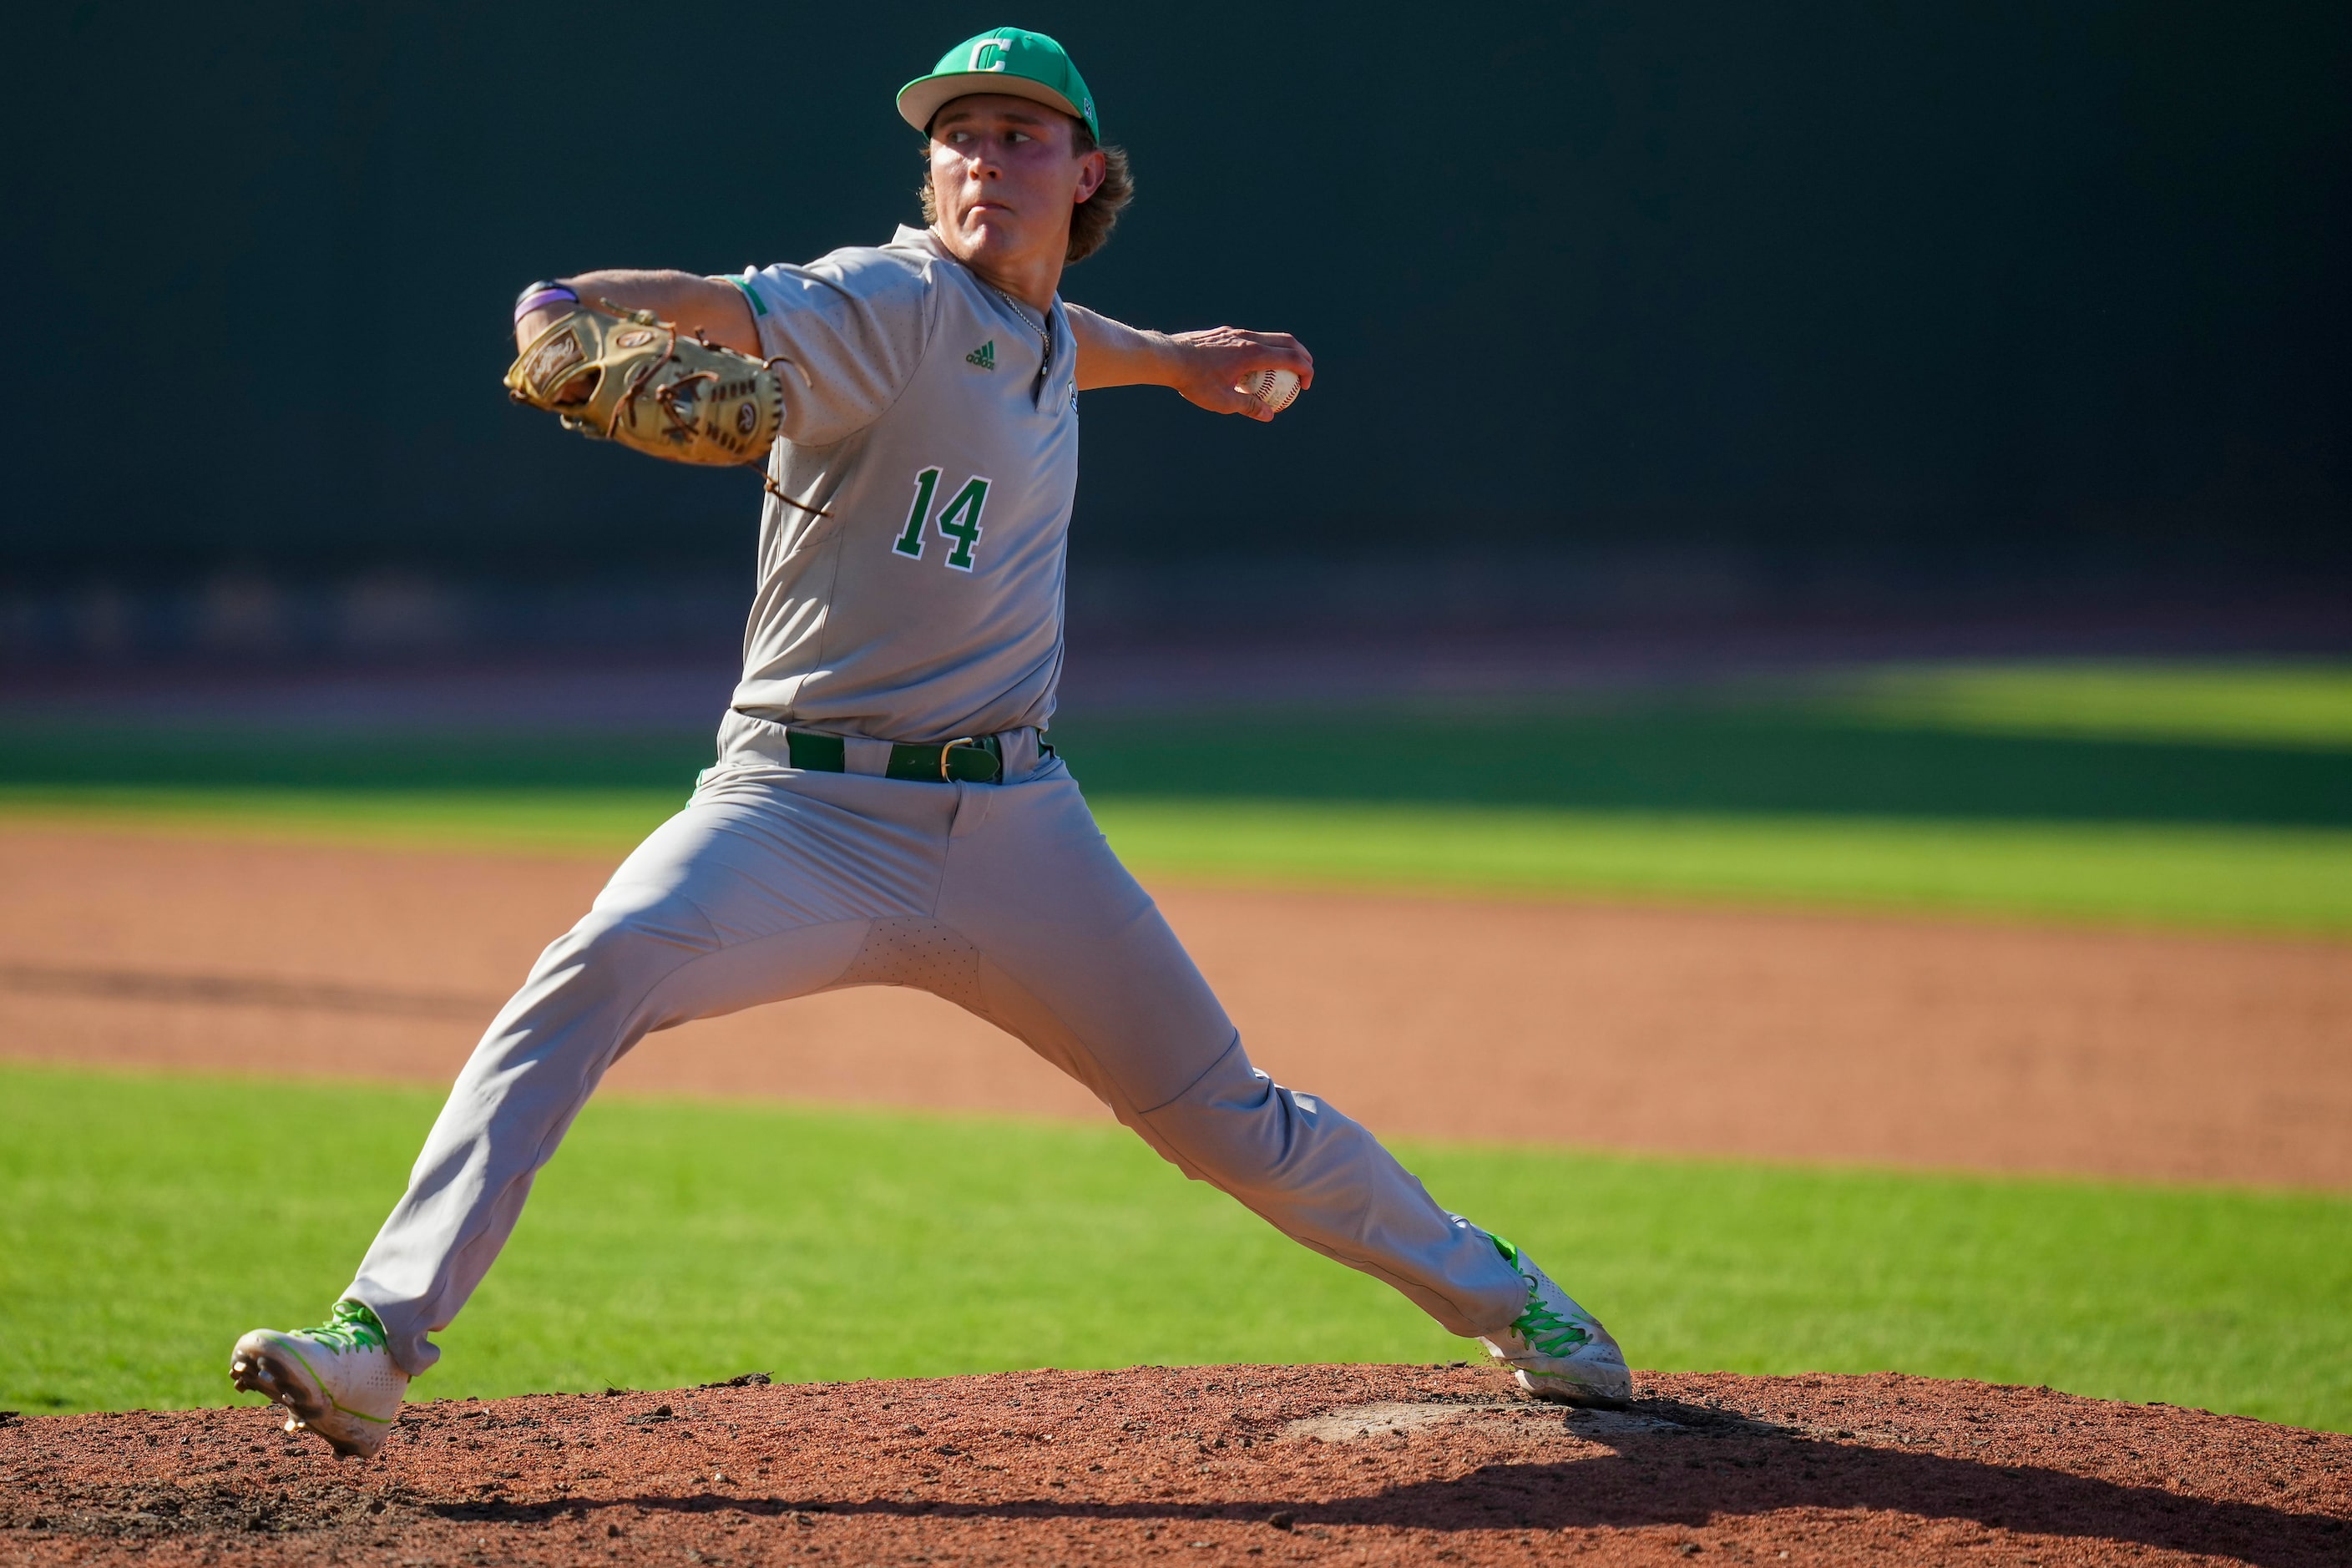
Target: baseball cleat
{"points": [[338, 1378], [1555, 1349]]}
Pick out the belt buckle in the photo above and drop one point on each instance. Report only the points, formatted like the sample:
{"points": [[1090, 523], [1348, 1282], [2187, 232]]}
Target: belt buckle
{"points": [[944, 749]]}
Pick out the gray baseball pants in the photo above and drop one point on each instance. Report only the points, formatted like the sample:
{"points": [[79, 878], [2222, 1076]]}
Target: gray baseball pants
{"points": [[1003, 899]]}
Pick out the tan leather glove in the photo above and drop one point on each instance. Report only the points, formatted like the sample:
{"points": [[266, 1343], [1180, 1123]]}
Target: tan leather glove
{"points": [[626, 376]]}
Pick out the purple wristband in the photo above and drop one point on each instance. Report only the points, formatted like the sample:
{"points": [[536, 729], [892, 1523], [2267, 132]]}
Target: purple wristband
{"points": [[545, 297]]}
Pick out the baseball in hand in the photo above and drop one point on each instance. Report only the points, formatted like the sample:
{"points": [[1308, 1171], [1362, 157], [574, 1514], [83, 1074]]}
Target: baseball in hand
{"points": [[1274, 388]]}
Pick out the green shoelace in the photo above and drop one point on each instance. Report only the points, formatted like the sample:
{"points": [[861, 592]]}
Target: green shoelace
{"points": [[1547, 1329], [352, 1326], [1540, 1325]]}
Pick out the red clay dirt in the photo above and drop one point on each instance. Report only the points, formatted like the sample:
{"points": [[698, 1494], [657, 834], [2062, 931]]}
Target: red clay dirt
{"points": [[1203, 1465], [1913, 1041], [1938, 1043]]}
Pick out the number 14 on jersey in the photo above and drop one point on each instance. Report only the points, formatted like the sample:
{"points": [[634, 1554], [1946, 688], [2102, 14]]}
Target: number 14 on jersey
{"points": [[958, 522]]}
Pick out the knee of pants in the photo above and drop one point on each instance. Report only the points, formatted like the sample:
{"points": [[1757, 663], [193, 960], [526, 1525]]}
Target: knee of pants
{"points": [[1239, 1130], [634, 937], [620, 950]]}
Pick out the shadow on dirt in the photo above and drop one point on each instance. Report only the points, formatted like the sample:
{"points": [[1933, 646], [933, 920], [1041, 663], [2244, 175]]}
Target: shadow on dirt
{"points": [[1671, 1464]]}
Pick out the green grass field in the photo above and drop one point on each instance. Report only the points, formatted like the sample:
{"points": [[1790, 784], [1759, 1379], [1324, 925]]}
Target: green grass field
{"points": [[144, 1221], [2213, 796], [148, 1219], [2287, 880]]}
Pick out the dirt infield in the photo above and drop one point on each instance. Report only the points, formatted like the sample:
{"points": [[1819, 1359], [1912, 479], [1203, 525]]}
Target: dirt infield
{"points": [[1366, 1464], [1810, 1037]]}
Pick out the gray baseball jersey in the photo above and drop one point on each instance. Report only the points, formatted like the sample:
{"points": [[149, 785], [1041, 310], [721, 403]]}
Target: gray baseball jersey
{"points": [[934, 421], [927, 419]]}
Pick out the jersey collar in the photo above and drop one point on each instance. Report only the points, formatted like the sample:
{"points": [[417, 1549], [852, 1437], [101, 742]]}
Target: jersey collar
{"points": [[1050, 388], [924, 240]]}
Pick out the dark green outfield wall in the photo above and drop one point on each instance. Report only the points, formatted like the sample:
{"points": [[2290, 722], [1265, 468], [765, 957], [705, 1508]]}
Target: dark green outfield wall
{"points": [[1994, 284]]}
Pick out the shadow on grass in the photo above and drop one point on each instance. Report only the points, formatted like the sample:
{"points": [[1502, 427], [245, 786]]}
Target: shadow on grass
{"points": [[1755, 759], [1731, 761]]}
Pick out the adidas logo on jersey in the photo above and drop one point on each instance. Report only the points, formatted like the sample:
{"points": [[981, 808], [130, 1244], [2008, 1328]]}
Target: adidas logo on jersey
{"points": [[984, 356]]}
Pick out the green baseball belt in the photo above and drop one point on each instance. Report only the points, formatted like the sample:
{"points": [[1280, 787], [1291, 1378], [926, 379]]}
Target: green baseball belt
{"points": [[976, 759]]}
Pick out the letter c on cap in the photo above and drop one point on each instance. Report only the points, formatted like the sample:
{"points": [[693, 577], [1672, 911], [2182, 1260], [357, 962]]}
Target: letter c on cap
{"points": [[980, 51]]}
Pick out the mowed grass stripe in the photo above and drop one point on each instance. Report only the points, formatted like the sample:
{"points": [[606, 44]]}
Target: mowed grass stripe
{"points": [[2280, 880], [145, 1220], [2297, 704], [2284, 880], [604, 822]]}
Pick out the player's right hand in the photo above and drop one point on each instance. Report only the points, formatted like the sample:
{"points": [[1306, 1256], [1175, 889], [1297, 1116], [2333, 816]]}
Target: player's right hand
{"points": [[1212, 365]]}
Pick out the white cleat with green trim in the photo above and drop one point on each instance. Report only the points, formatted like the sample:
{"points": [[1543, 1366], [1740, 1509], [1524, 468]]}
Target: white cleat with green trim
{"points": [[336, 1379], [1555, 1349]]}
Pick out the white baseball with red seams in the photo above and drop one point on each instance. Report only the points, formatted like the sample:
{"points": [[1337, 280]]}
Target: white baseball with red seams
{"points": [[1274, 388]]}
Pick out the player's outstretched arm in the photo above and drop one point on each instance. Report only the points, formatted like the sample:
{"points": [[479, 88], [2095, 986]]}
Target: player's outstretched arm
{"points": [[710, 306], [1206, 368], [664, 362]]}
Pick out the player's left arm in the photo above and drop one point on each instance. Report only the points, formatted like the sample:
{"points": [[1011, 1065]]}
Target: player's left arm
{"points": [[1205, 368]]}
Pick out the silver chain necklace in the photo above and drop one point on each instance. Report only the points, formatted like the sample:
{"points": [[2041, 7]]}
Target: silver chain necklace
{"points": [[1044, 331]]}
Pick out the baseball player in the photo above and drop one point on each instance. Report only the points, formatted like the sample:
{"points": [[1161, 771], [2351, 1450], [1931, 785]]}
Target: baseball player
{"points": [[885, 809]]}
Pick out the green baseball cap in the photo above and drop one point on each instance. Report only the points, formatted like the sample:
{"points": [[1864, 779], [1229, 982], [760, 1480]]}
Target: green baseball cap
{"points": [[1012, 60]]}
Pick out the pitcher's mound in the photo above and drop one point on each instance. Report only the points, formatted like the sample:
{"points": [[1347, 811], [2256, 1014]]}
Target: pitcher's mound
{"points": [[1199, 1464]]}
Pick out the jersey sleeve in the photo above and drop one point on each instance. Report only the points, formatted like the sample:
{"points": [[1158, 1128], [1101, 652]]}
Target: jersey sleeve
{"points": [[852, 326]]}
